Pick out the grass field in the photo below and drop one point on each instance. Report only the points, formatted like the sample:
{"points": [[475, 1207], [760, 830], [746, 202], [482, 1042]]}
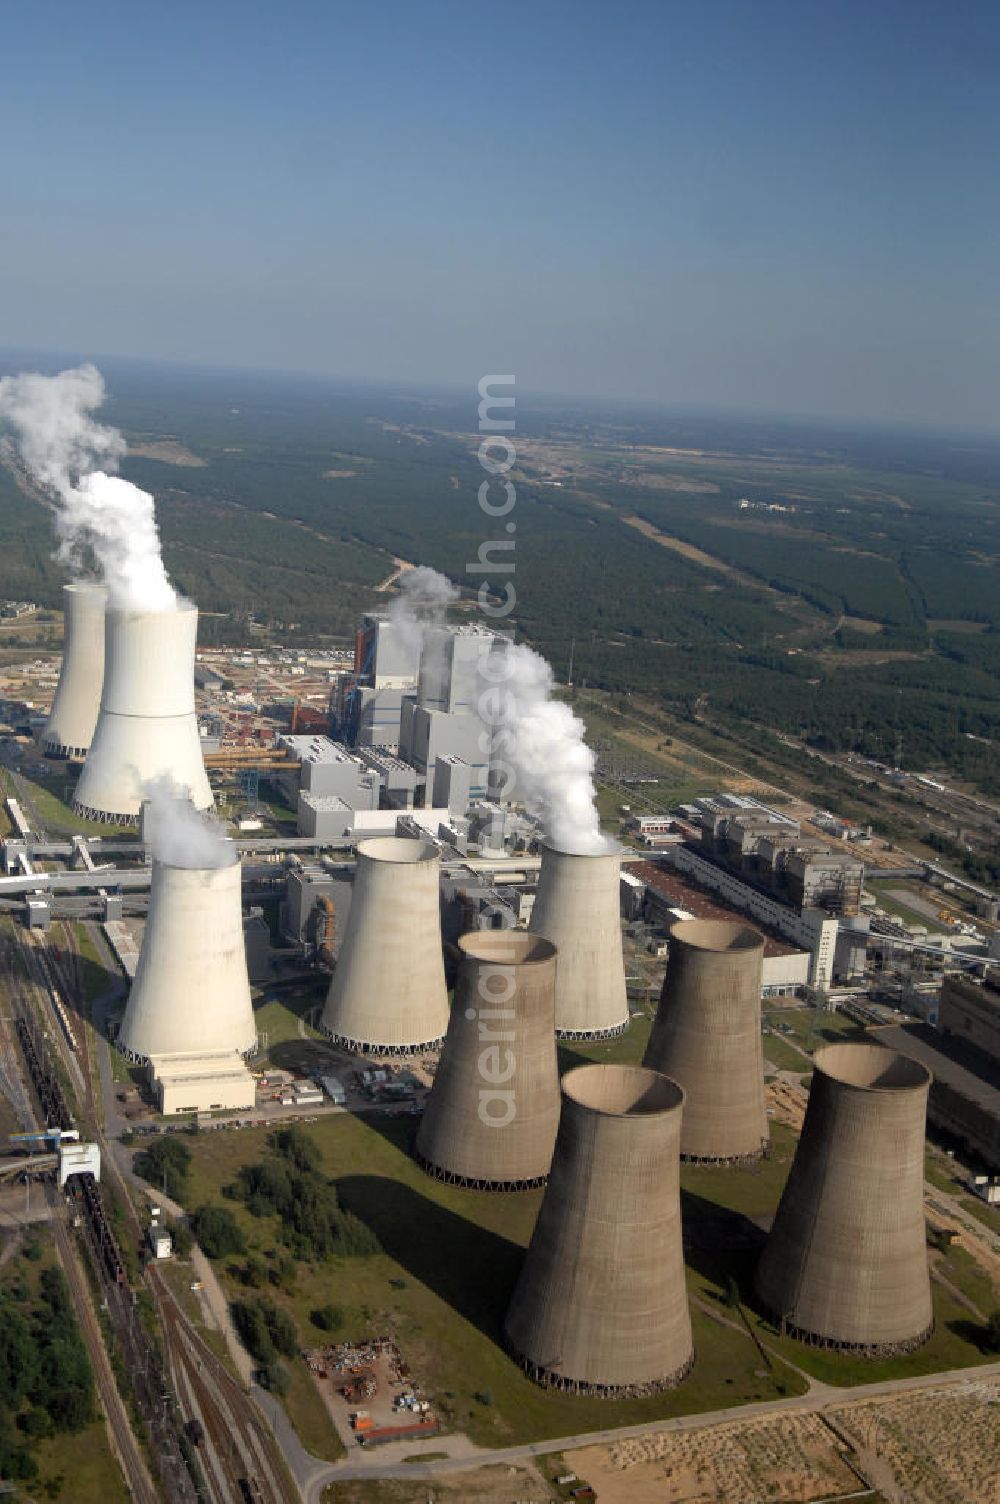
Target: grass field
{"points": [[450, 1258], [442, 1283]]}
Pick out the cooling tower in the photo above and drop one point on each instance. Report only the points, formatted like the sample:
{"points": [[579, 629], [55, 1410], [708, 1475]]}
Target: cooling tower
{"points": [[71, 722], [191, 993], [846, 1262], [491, 1118], [577, 908], [706, 1036], [147, 726], [601, 1305], [388, 994]]}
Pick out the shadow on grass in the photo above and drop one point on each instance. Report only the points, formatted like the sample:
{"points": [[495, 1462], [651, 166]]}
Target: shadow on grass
{"points": [[976, 1333], [471, 1268], [720, 1244], [308, 1056]]}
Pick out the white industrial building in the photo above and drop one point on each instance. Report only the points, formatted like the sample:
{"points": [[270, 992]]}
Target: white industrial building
{"points": [[329, 768], [193, 1081], [812, 929]]}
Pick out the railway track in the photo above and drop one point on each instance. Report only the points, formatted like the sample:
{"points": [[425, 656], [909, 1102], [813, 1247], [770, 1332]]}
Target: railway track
{"points": [[239, 1448]]}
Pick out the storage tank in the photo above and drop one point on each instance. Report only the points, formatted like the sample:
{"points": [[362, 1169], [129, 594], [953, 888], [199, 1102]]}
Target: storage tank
{"points": [[191, 992], [707, 1037], [491, 1118], [388, 993], [577, 908], [601, 1305], [846, 1261], [147, 727], [70, 726]]}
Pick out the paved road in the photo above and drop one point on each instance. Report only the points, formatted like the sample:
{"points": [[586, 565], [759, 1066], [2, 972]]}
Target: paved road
{"points": [[822, 1397]]}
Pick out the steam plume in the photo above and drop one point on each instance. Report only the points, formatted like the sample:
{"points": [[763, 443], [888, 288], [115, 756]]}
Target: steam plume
{"points": [[552, 766], [179, 835], [424, 597], [98, 515]]}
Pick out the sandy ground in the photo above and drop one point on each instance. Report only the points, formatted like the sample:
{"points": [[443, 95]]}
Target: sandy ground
{"points": [[498, 1484], [787, 1458], [169, 452], [937, 1446]]}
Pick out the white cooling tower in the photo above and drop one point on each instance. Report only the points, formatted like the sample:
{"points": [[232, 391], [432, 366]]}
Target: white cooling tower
{"points": [[388, 994], [191, 993], [577, 908], [147, 727], [70, 727]]}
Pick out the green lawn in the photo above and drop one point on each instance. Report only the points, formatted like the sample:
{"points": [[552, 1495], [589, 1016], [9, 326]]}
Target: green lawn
{"points": [[51, 799], [457, 1254], [782, 1055]]}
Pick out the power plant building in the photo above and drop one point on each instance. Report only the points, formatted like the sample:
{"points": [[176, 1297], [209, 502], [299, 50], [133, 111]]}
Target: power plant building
{"points": [[388, 993], [147, 728], [70, 726], [601, 1305], [443, 717], [490, 1121], [577, 907], [386, 665], [191, 991], [845, 1264], [329, 768], [813, 930], [707, 1037], [190, 1082]]}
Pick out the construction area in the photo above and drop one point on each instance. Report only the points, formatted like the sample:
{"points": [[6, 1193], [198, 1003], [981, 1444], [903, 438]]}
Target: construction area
{"points": [[370, 1393]]}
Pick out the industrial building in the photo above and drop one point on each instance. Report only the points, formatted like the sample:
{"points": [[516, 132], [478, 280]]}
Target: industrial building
{"points": [[667, 896], [386, 665], [325, 817], [191, 992], [707, 1037], [765, 849], [397, 780], [577, 907], [70, 726], [845, 1264], [442, 718], [969, 1010], [213, 1081], [388, 993], [147, 728], [490, 1121], [601, 1306], [329, 768], [965, 1091], [812, 930]]}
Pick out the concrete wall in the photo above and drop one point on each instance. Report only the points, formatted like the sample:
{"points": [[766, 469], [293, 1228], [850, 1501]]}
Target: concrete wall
{"points": [[577, 908]]}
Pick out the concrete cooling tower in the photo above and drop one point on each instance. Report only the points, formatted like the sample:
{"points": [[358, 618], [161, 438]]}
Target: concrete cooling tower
{"points": [[490, 1121], [577, 908], [846, 1262], [388, 994], [191, 993], [71, 723], [147, 727], [706, 1036], [601, 1304]]}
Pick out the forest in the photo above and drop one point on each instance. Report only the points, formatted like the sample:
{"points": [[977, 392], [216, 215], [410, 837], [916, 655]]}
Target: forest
{"points": [[839, 586]]}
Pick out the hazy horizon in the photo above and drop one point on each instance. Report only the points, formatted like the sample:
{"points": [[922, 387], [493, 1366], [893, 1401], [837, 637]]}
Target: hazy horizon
{"points": [[774, 209]]}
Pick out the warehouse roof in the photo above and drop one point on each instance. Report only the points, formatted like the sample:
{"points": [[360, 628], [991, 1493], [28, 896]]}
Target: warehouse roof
{"points": [[683, 893]]}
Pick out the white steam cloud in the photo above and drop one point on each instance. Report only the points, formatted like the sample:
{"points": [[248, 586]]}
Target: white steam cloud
{"points": [[424, 597], [551, 764], [98, 515], [180, 835]]}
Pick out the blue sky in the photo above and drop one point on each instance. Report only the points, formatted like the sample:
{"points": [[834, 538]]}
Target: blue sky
{"points": [[788, 207]]}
